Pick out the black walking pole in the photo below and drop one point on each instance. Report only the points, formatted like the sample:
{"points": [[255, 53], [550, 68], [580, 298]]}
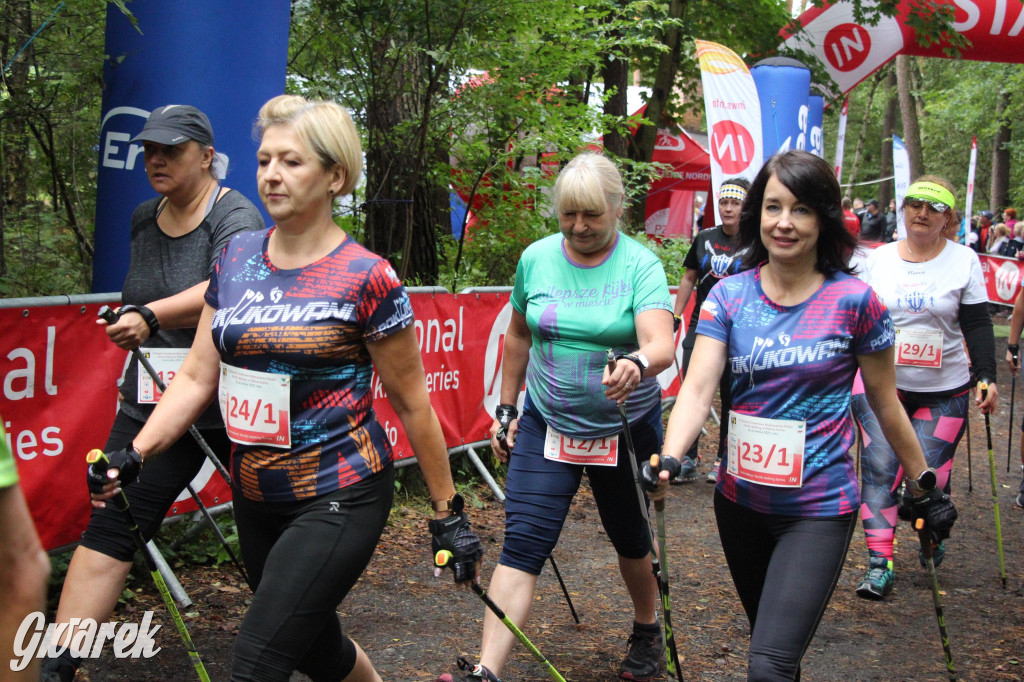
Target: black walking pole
{"points": [[110, 317], [660, 577], [1013, 394], [99, 462], [926, 549], [995, 490], [970, 478]]}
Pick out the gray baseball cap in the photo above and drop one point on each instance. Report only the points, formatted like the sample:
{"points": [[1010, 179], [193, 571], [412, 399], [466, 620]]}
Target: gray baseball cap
{"points": [[176, 123]]}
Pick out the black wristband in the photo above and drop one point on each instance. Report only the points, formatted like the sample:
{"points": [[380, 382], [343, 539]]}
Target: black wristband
{"points": [[1013, 348], [147, 315], [635, 360], [505, 411]]}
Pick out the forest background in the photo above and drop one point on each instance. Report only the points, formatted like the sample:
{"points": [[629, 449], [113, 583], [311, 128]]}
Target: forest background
{"points": [[486, 87]]}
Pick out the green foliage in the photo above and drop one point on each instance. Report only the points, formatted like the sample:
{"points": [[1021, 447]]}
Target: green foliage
{"points": [[672, 253]]}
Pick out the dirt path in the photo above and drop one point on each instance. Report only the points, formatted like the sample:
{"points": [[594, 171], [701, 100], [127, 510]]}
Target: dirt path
{"points": [[414, 626]]}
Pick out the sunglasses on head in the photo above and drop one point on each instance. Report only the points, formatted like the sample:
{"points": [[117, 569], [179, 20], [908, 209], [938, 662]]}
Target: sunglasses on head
{"points": [[920, 204]]}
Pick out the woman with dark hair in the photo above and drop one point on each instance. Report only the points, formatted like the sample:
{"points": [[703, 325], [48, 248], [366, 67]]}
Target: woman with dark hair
{"points": [[792, 332], [936, 292]]}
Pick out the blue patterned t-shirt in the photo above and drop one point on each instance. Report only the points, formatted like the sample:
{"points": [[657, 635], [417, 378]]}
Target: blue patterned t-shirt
{"points": [[798, 363], [311, 323]]}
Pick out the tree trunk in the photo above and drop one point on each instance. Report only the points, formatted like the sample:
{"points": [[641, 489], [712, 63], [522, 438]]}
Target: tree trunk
{"points": [[865, 120], [14, 140], [1001, 155], [642, 147], [911, 127], [888, 126], [615, 72]]}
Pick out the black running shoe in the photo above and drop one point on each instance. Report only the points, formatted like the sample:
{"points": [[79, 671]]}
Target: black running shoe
{"points": [[646, 652], [474, 674]]}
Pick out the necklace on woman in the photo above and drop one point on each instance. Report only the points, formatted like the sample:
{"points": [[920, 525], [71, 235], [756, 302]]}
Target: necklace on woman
{"points": [[914, 258]]}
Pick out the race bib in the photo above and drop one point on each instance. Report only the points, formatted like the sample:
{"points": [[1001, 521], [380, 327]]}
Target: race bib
{"points": [[166, 362], [919, 347], [255, 406], [603, 452], [767, 451]]}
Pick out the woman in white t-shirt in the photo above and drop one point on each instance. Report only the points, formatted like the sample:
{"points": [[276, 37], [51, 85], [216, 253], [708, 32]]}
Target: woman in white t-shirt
{"points": [[935, 292]]}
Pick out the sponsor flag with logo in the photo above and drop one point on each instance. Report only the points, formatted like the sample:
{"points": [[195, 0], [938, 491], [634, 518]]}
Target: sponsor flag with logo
{"points": [[901, 179], [841, 139], [733, 115], [965, 225]]}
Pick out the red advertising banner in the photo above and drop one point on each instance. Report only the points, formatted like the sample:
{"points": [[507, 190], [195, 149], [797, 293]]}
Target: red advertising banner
{"points": [[1002, 277]]}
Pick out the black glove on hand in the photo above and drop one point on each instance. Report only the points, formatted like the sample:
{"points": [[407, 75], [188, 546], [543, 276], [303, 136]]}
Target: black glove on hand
{"points": [[938, 513], [505, 414], [677, 322], [454, 535], [128, 463], [649, 475]]}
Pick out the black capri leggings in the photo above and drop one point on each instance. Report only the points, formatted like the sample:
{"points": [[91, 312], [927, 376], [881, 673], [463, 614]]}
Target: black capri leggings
{"points": [[303, 558], [159, 484], [785, 569]]}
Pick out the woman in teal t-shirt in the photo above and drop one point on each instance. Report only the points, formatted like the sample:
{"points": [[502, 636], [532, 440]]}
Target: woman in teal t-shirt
{"points": [[577, 294]]}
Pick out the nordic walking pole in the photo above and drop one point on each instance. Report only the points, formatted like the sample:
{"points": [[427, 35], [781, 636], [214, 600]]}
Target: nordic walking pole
{"points": [[995, 490], [110, 317], [568, 600], [1009, 434], [98, 459], [666, 604], [442, 558], [671, 653], [970, 478], [926, 549]]}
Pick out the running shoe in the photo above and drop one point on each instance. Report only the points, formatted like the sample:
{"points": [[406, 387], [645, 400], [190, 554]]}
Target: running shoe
{"points": [[687, 472], [1019, 500], [713, 474], [476, 672], [938, 554], [878, 582], [646, 652]]}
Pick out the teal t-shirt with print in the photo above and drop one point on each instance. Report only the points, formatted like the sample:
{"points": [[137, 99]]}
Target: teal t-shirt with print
{"points": [[575, 314]]}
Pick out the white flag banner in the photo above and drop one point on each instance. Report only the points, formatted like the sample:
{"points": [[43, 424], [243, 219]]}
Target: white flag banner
{"points": [[901, 178], [965, 225], [733, 114], [841, 139]]}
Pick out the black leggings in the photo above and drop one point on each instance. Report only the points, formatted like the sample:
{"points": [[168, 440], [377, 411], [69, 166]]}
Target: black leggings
{"points": [[159, 484], [303, 558], [785, 569]]}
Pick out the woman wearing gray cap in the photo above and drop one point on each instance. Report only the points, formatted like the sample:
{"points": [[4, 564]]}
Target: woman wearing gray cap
{"points": [[175, 240]]}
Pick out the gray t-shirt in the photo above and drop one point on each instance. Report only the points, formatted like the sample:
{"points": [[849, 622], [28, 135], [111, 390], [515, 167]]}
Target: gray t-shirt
{"points": [[162, 266]]}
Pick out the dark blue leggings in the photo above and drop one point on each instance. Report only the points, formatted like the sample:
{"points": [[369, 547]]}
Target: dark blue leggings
{"points": [[539, 492], [303, 558], [785, 569]]}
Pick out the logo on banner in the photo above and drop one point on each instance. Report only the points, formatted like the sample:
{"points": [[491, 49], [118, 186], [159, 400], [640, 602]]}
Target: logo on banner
{"points": [[719, 60], [847, 46], [1007, 278], [732, 146], [667, 140], [492, 359], [116, 150]]}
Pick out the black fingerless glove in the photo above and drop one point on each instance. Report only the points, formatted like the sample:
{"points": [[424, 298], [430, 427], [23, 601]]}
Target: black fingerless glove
{"points": [[454, 535], [127, 461], [677, 322], [505, 414], [938, 513], [649, 475]]}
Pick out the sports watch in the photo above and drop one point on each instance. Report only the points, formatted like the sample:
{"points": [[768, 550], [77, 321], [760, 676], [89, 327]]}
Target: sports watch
{"points": [[453, 505], [639, 359], [923, 483]]}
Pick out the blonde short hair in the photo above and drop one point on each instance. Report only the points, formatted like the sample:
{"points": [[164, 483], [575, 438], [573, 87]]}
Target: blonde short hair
{"points": [[325, 127], [590, 183]]}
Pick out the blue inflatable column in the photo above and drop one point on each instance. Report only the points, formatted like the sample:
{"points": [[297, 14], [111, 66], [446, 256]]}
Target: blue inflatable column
{"points": [[226, 58], [815, 121], [783, 85]]}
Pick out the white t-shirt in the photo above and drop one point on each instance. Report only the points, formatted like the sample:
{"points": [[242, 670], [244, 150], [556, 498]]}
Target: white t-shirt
{"points": [[923, 298]]}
